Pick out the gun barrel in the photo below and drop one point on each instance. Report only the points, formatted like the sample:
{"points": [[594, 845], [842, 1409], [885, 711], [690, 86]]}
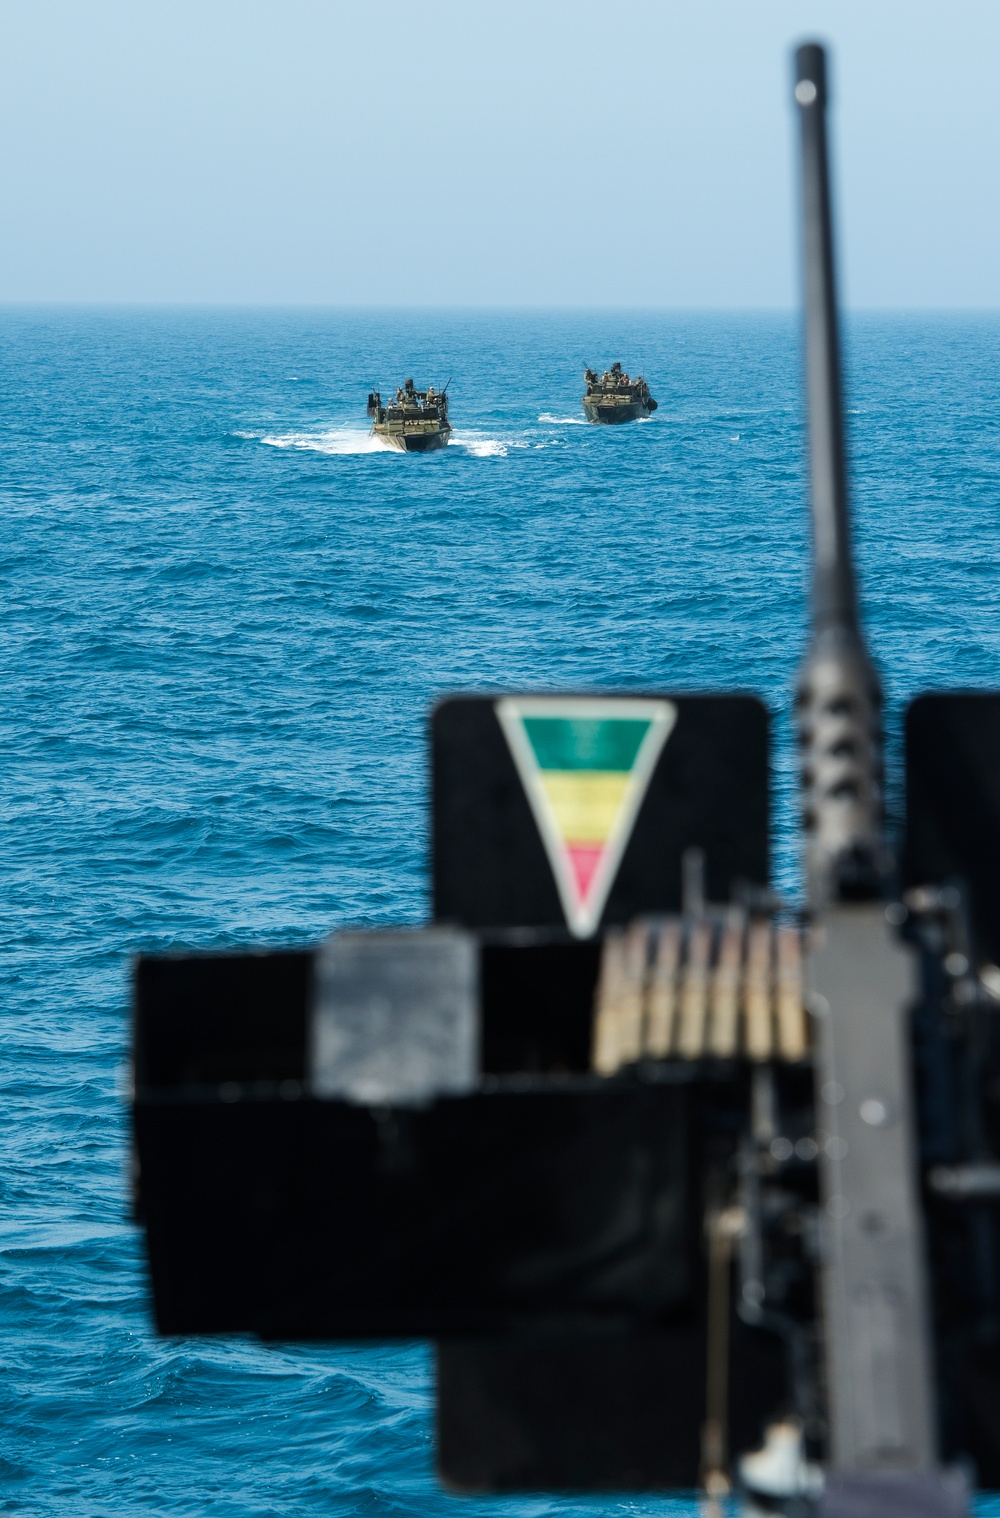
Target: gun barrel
{"points": [[834, 595], [839, 696]]}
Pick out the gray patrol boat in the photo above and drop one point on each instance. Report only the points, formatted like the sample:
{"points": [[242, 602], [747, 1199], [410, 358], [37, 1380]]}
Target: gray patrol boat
{"points": [[615, 397], [414, 421]]}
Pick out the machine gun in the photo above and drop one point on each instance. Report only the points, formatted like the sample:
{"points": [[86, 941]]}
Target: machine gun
{"points": [[689, 1190]]}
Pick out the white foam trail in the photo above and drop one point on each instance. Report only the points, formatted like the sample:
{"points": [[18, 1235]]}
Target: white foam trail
{"points": [[564, 421], [336, 441], [339, 441], [482, 447]]}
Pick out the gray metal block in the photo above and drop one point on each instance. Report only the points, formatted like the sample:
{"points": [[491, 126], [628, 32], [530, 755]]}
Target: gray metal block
{"points": [[395, 1017], [875, 1291], [895, 1494]]}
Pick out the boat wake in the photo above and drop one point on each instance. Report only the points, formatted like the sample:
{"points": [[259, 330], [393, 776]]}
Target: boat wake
{"points": [[482, 447], [342, 441], [564, 421], [336, 440]]}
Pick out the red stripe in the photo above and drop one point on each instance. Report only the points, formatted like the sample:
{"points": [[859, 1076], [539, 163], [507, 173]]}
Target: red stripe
{"points": [[584, 858]]}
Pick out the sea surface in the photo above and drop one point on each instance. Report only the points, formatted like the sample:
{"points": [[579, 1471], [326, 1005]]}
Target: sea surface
{"points": [[226, 613]]}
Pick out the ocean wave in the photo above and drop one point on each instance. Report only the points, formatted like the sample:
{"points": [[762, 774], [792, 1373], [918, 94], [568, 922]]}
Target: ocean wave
{"points": [[20, 1238]]}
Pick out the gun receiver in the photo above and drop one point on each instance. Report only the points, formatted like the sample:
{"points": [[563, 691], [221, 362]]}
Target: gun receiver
{"points": [[839, 698]]}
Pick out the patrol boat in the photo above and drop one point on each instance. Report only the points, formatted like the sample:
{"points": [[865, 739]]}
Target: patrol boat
{"points": [[616, 398], [414, 421]]}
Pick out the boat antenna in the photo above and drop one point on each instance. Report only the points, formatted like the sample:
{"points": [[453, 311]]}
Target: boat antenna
{"points": [[839, 696], [445, 390]]}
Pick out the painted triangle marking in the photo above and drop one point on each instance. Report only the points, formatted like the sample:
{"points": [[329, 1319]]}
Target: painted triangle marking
{"points": [[585, 763]]}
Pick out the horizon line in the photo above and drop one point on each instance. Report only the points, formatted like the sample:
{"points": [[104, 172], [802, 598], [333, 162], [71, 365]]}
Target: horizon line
{"points": [[500, 308]]}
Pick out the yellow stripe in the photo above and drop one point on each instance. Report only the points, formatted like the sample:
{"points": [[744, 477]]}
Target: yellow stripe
{"points": [[586, 802]]}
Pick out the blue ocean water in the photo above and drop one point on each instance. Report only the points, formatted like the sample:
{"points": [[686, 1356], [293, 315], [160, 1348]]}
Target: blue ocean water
{"points": [[226, 615]]}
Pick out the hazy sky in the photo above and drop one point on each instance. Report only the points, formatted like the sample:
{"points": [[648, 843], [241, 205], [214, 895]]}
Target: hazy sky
{"points": [[585, 154]]}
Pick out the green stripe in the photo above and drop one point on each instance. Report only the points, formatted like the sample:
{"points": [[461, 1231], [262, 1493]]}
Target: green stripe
{"points": [[585, 743]]}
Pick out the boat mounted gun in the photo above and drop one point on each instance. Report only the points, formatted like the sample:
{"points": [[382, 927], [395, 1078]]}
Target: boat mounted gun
{"points": [[876, 1329]]}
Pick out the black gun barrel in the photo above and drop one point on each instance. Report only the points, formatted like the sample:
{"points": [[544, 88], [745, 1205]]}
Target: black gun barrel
{"points": [[834, 595], [839, 698]]}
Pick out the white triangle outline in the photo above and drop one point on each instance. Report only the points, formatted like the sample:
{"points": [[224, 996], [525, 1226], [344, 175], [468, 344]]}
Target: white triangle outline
{"points": [[582, 917]]}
